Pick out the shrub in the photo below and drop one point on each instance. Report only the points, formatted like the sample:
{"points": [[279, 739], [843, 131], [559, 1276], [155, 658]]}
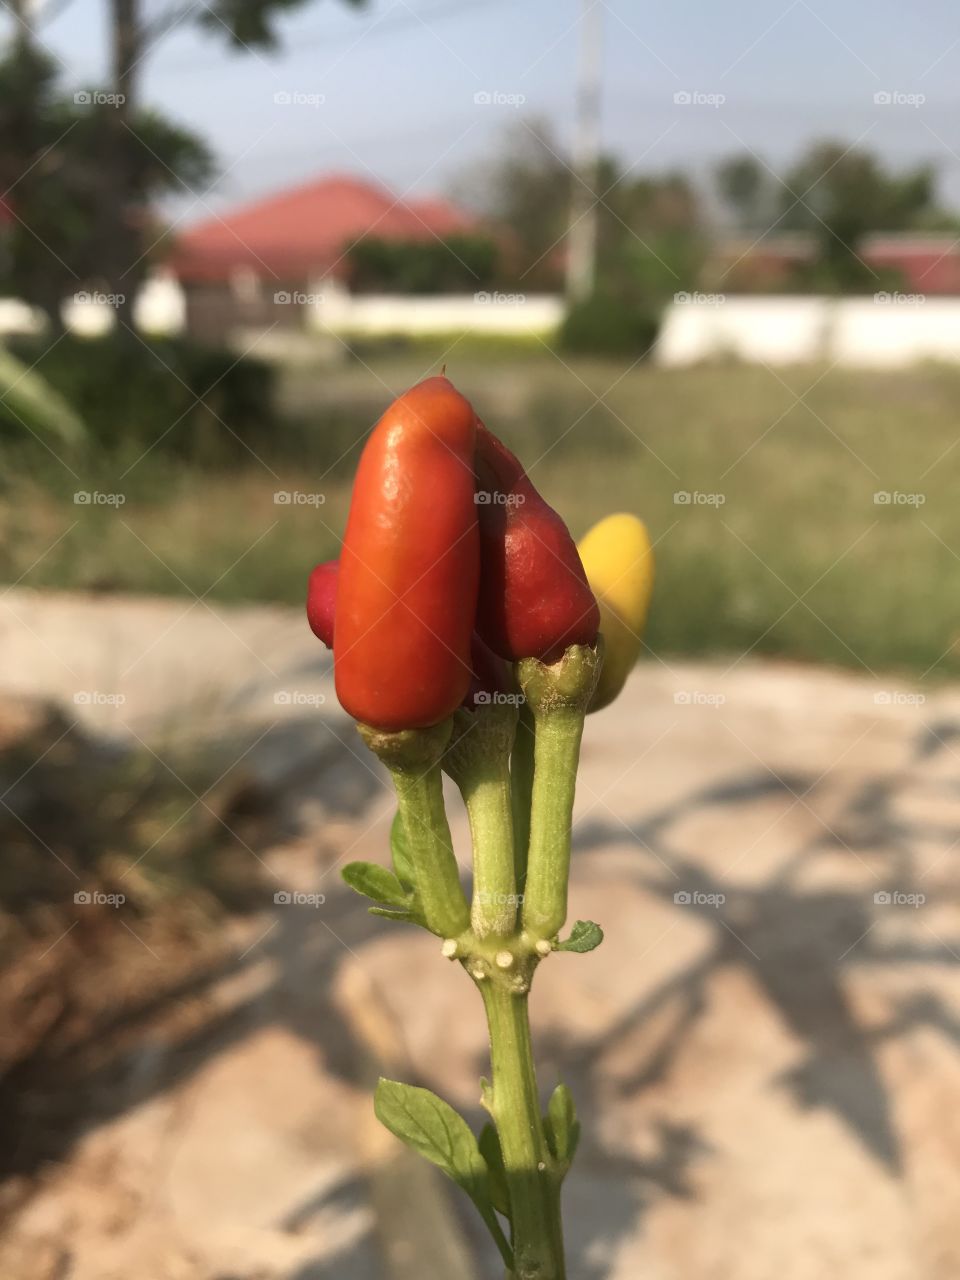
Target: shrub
{"points": [[170, 394], [607, 325]]}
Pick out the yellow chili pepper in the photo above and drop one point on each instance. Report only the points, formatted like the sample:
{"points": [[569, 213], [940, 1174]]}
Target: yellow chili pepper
{"points": [[618, 560]]}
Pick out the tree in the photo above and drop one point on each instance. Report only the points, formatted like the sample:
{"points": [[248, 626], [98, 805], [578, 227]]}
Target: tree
{"points": [[62, 233], [840, 194], [744, 186]]}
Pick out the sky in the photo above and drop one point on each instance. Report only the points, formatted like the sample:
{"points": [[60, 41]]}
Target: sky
{"points": [[388, 90]]}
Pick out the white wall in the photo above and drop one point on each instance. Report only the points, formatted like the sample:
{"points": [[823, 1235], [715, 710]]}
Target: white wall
{"points": [[884, 330], [334, 309], [159, 308]]}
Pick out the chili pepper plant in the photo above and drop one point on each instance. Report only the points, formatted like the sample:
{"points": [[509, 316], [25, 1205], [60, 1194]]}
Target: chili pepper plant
{"points": [[470, 639]]}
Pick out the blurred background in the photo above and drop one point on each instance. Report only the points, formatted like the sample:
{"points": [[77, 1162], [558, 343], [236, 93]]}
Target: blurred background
{"points": [[694, 263]]}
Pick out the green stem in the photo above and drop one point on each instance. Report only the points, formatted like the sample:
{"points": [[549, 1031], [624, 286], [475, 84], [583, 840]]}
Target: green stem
{"points": [[478, 760], [514, 1103], [424, 818], [521, 776], [557, 753]]}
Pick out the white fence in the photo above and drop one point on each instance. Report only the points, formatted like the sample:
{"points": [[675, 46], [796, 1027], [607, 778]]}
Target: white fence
{"points": [[885, 330], [370, 315]]}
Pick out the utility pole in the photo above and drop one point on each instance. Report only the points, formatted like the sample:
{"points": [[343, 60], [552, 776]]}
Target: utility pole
{"points": [[126, 212], [582, 233]]}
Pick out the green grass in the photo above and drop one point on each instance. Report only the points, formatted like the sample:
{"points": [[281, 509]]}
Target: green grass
{"points": [[797, 456]]}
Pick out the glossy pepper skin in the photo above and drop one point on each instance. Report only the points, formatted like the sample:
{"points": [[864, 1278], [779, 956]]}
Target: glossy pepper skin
{"points": [[409, 566], [619, 562], [491, 678], [322, 600], [534, 598]]}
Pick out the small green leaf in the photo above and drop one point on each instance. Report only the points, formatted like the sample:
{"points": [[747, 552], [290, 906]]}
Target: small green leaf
{"points": [[376, 882], [400, 852], [489, 1144], [394, 913], [584, 936], [432, 1127], [561, 1126]]}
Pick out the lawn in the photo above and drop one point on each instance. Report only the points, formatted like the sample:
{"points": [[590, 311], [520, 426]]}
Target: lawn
{"points": [[759, 487]]}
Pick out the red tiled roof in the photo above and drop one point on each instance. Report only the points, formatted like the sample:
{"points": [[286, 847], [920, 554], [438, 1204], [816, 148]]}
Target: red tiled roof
{"points": [[304, 232]]}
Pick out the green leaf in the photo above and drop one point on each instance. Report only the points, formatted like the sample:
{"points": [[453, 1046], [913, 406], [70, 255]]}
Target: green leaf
{"points": [[376, 882], [394, 913], [584, 936], [561, 1126], [431, 1127], [489, 1144], [400, 852]]}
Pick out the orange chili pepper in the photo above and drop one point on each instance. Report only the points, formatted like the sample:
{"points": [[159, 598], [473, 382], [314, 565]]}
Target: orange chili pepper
{"points": [[409, 567]]}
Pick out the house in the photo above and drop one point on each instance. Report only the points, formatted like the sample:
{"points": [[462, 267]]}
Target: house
{"points": [[268, 262], [926, 263]]}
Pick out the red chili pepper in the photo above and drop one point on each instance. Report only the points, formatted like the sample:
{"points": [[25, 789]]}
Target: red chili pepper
{"points": [[490, 674], [322, 600], [534, 598], [409, 568]]}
